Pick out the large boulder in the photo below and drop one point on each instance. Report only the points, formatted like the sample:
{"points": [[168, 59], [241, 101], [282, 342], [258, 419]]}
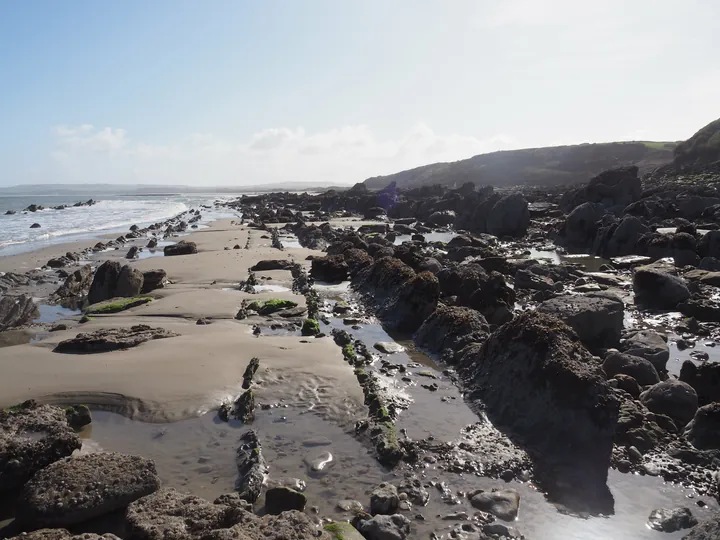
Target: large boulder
{"points": [[581, 225], [504, 503], [332, 268], [658, 289], [76, 283], [112, 339], [621, 238], [537, 381], [81, 488], [614, 189], [707, 530], [32, 437], [709, 245], [650, 345], [415, 301], [451, 327], [181, 248], [153, 279], [104, 283], [704, 378], [272, 264], [640, 369], [16, 311], [381, 527], [673, 398], [597, 318], [703, 431], [509, 216], [130, 282]]}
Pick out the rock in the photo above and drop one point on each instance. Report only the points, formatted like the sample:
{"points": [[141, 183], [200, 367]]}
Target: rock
{"points": [[709, 264], [656, 289], [280, 499], [132, 253], [703, 431], [581, 225], [671, 520], [272, 264], [343, 531], [525, 279], [440, 219], [597, 318], [613, 189], [104, 284], [332, 268], [62, 534], [81, 488], [650, 345], [705, 380], [250, 371], [16, 311], [389, 347], [78, 416], [708, 530], [451, 327], [504, 504], [59, 327], [627, 384], [35, 226], [638, 368], [509, 216], [395, 527], [76, 283], [251, 466], [130, 282], [536, 380], [32, 437], [414, 302], [152, 280], [709, 245], [673, 398], [620, 239], [384, 499], [413, 488], [152, 243], [181, 248], [11, 212], [500, 530], [112, 339]]}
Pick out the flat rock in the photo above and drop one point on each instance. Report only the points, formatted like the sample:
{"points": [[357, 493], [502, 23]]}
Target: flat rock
{"points": [[181, 248], [32, 437], [273, 264], [342, 530], [504, 504], [389, 347], [112, 339], [78, 489]]}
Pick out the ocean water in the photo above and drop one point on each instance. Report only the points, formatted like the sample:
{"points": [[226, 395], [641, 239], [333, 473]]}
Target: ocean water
{"points": [[111, 213]]}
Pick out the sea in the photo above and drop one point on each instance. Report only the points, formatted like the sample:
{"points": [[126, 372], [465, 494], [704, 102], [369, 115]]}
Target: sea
{"points": [[110, 214]]}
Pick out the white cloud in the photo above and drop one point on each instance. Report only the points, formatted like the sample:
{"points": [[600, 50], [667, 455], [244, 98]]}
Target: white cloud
{"points": [[339, 156]]}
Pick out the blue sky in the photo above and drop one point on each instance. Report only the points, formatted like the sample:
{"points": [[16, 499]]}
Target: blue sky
{"points": [[246, 92]]}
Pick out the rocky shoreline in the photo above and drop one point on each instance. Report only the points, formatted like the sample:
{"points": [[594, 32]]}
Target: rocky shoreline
{"points": [[567, 365]]}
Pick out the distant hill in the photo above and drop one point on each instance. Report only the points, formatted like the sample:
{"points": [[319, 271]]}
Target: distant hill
{"points": [[556, 165], [701, 149]]}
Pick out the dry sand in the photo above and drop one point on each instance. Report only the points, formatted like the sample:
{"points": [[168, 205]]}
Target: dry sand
{"points": [[179, 377]]}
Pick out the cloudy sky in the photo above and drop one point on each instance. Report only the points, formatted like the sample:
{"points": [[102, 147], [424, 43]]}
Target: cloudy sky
{"points": [[327, 91]]}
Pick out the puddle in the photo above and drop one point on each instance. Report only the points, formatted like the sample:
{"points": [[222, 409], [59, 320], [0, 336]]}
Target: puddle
{"points": [[158, 251], [590, 262], [271, 288], [429, 237], [52, 313]]}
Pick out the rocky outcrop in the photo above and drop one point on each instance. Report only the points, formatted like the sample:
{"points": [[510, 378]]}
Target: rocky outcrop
{"points": [[251, 465], [32, 437], [707, 530], [332, 268], [130, 282], [81, 488], [657, 289], [112, 339], [597, 318], [703, 431], [541, 386], [76, 283], [648, 344], [16, 311], [614, 189], [153, 279], [451, 328], [272, 264], [581, 226], [181, 248], [104, 283], [509, 216]]}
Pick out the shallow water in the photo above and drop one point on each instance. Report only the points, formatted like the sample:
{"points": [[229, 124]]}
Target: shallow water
{"points": [[591, 263], [52, 313], [429, 237]]}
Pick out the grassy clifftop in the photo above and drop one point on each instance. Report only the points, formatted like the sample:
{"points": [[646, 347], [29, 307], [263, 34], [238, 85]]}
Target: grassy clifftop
{"points": [[534, 166]]}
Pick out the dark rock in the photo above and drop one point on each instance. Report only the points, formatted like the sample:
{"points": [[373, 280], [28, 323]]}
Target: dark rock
{"points": [[384, 500], [112, 339], [656, 289], [509, 216], [332, 268], [104, 283], [440, 219], [650, 345], [16, 311], [78, 416], [703, 431], [62, 534], [597, 318], [35, 226], [272, 264], [620, 239], [613, 189], [152, 243], [627, 384], [412, 486], [673, 398], [11, 212], [581, 225], [705, 380], [130, 282], [281, 499], [671, 520], [59, 327], [451, 327], [76, 283], [32, 437], [640, 369], [538, 382], [250, 371], [381, 527], [152, 280], [504, 504], [181, 248], [132, 253], [707, 530], [78, 489], [709, 245], [251, 466]]}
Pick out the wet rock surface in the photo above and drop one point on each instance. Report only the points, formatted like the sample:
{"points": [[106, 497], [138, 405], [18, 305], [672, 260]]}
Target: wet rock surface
{"points": [[16, 311], [112, 339]]}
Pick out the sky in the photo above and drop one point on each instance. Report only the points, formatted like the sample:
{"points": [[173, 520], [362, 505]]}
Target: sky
{"points": [[247, 92]]}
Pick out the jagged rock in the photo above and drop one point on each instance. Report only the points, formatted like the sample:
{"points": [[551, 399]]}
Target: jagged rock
{"points": [[272, 264], [251, 466], [705, 380], [581, 225], [673, 398], [16, 311], [130, 282], [384, 499], [703, 431], [671, 520], [414, 302], [250, 370], [412, 486], [76, 283], [613, 189], [112, 339], [451, 327], [656, 289], [281, 499], [153, 279], [81, 488], [707, 530], [395, 527], [78, 416], [132, 253], [640, 369], [597, 318], [504, 504], [536, 380], [181, 248], [509, 216], [650, 345], [32, 437], [332, 268], [620, 239], [104, 283]]}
